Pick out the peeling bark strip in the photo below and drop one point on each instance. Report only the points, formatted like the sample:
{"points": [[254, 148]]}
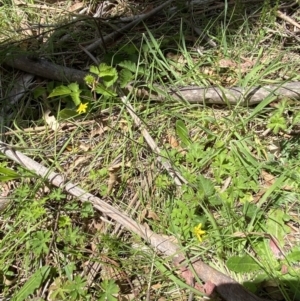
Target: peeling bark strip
{"points": [[228, 288], [192, 94]]}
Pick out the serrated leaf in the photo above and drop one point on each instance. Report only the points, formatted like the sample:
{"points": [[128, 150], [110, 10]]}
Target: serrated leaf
{"points": [[60, 91], [125, 77], [94, 69], [33, 283], [131, 66], [182, 132], [206, 186], [108, 74], [74, 87], [110, 288], [242, 264], [108, 81], [76, 97]]}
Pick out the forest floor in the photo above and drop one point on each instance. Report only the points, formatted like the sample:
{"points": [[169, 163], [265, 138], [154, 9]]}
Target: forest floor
{"points": [[185, 122]]}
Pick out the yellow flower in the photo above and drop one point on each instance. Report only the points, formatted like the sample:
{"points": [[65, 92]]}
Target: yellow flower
{"points": [[199, 232], [82, 108]]}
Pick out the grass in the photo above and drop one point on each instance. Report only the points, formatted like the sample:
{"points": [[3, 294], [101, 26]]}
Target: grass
{"points": [[241, 163]]}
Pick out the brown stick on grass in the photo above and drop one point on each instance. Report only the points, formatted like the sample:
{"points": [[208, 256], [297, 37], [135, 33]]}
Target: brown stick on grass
{"points": [[192, 94], [228, 288]]}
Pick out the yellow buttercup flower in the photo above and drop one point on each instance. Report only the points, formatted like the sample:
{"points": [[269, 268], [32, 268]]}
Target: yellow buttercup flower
{"points": [[82, 108], [198, 232]]}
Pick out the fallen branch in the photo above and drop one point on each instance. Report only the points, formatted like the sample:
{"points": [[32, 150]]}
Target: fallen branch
{"points": [[228, 288], [193, 94], [235, 95], [45, 69]]}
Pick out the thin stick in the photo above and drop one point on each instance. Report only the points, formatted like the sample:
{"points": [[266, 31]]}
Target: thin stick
{"points": [[178, 179], [287, 18], [228, 288]]}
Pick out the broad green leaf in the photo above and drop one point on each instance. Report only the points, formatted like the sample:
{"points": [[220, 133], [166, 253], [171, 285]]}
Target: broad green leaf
{"points": [[33, 283], [242, 264], [66, 114], [94, 69], [206, 186], [131, 66], [76, 97], [294, 255], [276, 225], [125, 77], [182, 133], [108, 74], [74, 87], [60, 91], [104, 91]]}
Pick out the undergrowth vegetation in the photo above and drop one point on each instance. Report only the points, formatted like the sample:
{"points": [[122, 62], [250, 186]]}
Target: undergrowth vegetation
{"points": [[239, 208]]}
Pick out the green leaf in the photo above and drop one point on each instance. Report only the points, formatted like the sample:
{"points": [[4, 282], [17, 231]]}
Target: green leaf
{"points": [[294, 255], [125, 77], [182, 133], [277, 123], [108, 74], [8, 174], [242, 264], [74, 87], [33, 283], [76, 97], [66, 114], [39, 91], [101, 89], [94, 69], [276, 225], [206, 186], [131, 66], [109, 289], [60, 91]]}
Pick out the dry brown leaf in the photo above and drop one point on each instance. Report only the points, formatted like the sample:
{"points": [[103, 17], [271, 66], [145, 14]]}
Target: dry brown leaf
{"points": [[173, 141], [85, 147], [76, 6], [112, 181], [227, 63], [98, 131], [143, 215], [259, 195], [152, 215], [127, 297], [78, 161], [268, 178]]}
